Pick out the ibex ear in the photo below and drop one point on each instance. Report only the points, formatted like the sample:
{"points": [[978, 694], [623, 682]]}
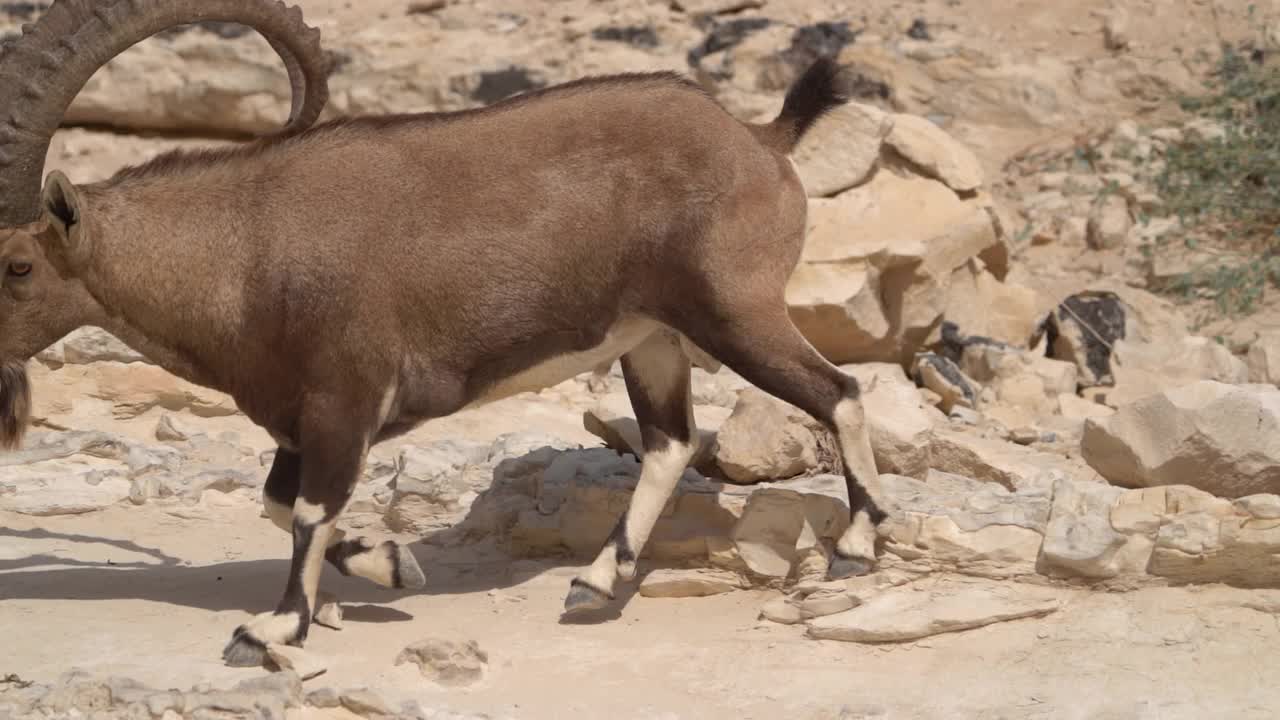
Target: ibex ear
{"points": [[62, 206]]}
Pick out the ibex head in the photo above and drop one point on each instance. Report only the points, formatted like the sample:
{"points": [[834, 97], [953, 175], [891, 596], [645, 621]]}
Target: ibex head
{"points": [[40, 297], [44, 237]]}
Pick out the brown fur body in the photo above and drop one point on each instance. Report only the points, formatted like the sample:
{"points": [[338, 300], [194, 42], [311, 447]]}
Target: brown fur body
{"points": [[346, 282], [442, 254]]}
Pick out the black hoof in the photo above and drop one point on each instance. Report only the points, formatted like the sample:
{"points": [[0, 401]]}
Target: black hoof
{"points": [[843, 568], [408, 572], [584, 598], [244, 650]]}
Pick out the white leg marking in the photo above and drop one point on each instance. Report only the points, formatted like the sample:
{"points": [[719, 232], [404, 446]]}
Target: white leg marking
{"points": [[308, 513], [855, 448], [659, 475], [313, 563], [280, 514], [387, 406], [269, 628], [372, 564]]}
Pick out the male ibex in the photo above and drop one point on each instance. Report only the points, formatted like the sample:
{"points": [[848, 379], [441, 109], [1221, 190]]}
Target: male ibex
{"points": [[346, 282]]}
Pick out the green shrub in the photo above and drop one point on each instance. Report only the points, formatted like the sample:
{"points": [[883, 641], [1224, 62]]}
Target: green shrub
{"points": [[1223, 183]]}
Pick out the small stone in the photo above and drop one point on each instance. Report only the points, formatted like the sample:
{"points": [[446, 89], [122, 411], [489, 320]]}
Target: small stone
{"points": [[826, 602], [288, 657], [1109, 223], [323, 698], [1263, 507], [1025, 436], [365, 703], [782, 611], [425, 7], [908, 614], [672, 583], [1115, 30], [169, 429], [944, 377], [452, 663]]}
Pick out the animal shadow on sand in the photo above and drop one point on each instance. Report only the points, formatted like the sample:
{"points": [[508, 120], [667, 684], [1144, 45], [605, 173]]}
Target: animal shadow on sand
{"points": [[452, 568]]}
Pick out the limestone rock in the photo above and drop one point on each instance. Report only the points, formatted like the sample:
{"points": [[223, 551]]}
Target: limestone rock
{"points": [[979, 304], [900, 422], [1016, 377], [90, 345], [555, 503], [997, 461], [365, 703], [715, 7], [937, 153], [944, 377], [135, 388], [429, 484], [672, 583], [1109, 223], [1081, 540], [842, 148], [171, 429], [287, 657], [962, 525], [786, 527], [452, 663], [60, 489], [879, 262], [768, 439], [1220, 438], [1264, 358], [908, 614], [1142, 369]]}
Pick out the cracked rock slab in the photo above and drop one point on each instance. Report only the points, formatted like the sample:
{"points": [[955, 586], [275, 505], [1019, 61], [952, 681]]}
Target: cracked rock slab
{"points": [[906, 614]]}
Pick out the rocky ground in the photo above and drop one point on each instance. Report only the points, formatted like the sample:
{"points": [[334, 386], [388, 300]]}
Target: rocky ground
{"points": [[1083, 476]]}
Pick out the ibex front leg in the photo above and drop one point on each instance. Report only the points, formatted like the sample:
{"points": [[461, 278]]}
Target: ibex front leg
{"points": [[386, 563], [330, 458]]}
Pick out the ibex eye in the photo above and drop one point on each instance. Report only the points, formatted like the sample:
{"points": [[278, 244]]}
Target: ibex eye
{"points": [[20, 269]]}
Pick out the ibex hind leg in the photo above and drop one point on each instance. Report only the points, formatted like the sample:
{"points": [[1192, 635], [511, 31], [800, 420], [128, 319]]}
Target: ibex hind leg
{"points": [[758, 341], [657, 375], [386, 563]]}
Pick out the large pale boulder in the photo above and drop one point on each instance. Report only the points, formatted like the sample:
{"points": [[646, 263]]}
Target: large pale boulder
{"points": [[1142, 369], [878, 264], [949, 522], [992, 460], [552, 502], [905, 614], [841, 149], [768, 439], [1264, 358], [935, 152], [430, 484], [900, 422], [979, 304], [1220, 438]]}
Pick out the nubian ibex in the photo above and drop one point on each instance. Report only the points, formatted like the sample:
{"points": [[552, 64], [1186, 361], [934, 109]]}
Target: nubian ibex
{"points": [[346, 281]]}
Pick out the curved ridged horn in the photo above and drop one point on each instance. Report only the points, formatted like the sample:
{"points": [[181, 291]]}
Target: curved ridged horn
{"points": [[43, 71]]}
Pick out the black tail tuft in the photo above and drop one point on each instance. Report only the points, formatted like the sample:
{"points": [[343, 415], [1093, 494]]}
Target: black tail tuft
{"points": [[816, 93]]}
